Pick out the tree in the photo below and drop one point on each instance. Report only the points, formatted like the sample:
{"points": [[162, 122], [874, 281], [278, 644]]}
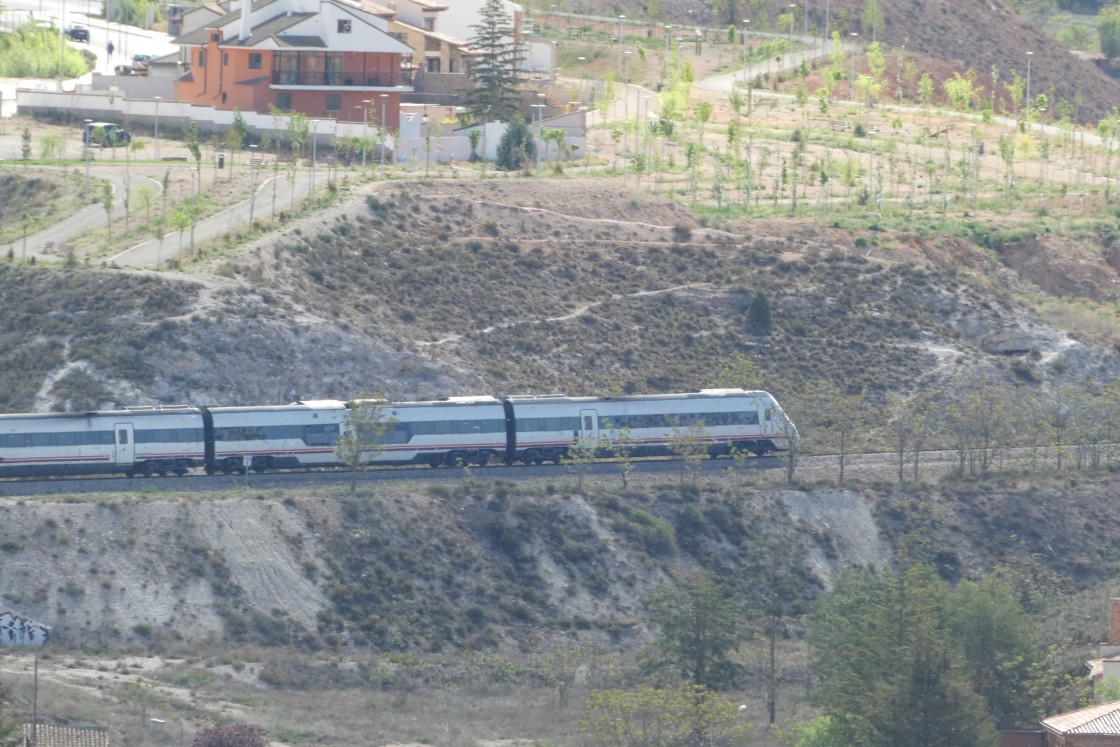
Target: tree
{"points": [[776, 580], [363, 432], [737, 372], [689, 445], [697, 621], [107, 203], [10, 735], [230, 735], [517, 148], [901, 659], [841, 421], [495, 68], [655, 717], [758, 314], [1108, 29], [236, 136], [1006, 661]]}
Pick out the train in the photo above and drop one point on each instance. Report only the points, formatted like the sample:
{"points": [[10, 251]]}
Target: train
{"points": [[454, 431]]}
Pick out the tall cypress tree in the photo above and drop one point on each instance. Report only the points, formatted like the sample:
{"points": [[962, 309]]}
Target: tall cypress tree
{"points": [[495, 70]]}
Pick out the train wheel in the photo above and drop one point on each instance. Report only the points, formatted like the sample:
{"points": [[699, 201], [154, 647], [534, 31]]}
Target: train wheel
{"points": [[483, 458], [146, 469], [532, 456]]}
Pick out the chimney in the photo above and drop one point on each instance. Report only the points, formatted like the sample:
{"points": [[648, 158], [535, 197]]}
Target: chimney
{"points": [[246, 19], [1114, 622]]}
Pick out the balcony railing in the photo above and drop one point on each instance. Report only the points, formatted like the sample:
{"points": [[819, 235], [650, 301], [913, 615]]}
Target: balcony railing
{"points": [[344, 78]]}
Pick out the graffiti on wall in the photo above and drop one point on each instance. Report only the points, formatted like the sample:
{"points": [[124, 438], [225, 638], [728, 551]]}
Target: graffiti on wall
{"points": [[19, 632]]}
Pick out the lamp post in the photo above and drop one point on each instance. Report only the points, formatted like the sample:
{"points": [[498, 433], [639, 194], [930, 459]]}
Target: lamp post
{"points": [[161, 722], [314, 143], [827, 25], [1028, 101], [621, 20], [194, 204], [157, 100], [253, 164], [540, 122], [86, 152], [581, 61], [852, 77], [792, 16], [365, 129], [427, 144], [384, 129], [665, 62]]}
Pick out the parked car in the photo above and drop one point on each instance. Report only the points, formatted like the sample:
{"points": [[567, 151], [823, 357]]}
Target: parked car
{"points": [[77, 32], [142, 58], [106, 134]]}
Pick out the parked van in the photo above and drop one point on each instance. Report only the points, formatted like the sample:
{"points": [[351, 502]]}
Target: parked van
{"points": [[106, 134]]}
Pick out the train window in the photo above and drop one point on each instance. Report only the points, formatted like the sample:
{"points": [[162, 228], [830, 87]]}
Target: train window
{"points": [[320, 434], [122, 436], [15, 440], [767, 415], [400, 433], [588, 422]]}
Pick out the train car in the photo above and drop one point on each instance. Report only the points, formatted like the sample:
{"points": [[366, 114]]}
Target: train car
{"points": [[134, 441], [452, 432], [651, 425], [301, 434]]}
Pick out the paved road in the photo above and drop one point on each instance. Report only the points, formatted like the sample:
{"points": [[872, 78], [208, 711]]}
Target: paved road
{"points": [[152, 253]]}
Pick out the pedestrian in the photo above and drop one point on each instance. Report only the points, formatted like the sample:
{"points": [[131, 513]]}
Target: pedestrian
{"points": [[109, 49]]}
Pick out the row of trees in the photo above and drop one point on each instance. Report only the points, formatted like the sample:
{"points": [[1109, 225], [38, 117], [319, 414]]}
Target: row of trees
{"points": [[899, 657], [986, 425]]}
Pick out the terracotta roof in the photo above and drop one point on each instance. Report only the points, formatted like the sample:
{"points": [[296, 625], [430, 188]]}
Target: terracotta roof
{"points": [[453, 41], [1099, 720], [67, 736]]}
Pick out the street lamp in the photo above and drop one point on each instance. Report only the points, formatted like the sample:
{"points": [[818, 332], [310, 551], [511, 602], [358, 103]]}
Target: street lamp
{"points": [[161, 722], [581, 61], [746, 50], [852, 77], [157, 100], [194, 203], [427, 144], [792, 16], [621, 20], [314, 143], [253, 163], [540, 122], [1029, 55], [384, 128], [365, 129], [86, 152]]}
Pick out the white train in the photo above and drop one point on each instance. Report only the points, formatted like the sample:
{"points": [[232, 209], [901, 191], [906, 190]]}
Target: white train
{"points": [[459, 430]]}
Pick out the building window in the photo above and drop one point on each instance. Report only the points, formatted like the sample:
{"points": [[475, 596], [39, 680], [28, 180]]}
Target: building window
{"points": [[284, 101], [429, 24], [334, 102], [256, 60], [202, 58], [344, 25], [215, 37], [225, 58]]}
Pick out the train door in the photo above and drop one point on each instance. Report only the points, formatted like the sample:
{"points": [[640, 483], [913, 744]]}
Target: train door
{"points": [[589, 429], [124, 443]]}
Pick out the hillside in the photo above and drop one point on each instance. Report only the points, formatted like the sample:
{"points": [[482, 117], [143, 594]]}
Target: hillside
{"points": [[943, 36], [256, 606], [585, 288]]}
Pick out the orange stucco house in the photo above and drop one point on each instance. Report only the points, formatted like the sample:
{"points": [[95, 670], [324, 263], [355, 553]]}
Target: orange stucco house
{"points": [[323, 58]]}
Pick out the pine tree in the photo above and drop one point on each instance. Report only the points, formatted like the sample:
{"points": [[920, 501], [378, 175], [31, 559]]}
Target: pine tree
{"points": [[495, 71]]}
